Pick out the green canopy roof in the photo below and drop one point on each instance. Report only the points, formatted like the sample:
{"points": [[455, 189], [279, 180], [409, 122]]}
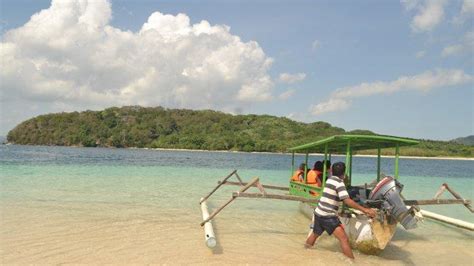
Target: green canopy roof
{"points": [[338, 143]]}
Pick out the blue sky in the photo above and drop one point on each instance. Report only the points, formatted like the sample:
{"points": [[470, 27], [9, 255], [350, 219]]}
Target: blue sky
{"points": [[397, 68]]}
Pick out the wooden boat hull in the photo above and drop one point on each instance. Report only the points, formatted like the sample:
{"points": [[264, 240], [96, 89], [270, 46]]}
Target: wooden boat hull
{"points": [[369, 236]]}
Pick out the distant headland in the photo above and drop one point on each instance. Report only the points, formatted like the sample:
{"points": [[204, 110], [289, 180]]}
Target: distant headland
{"points": [[158, 127]]}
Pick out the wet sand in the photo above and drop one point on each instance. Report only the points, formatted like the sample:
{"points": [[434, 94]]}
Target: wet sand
{"points": [[49, 233]]}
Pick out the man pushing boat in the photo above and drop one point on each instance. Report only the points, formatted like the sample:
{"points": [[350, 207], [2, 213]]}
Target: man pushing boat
{"points": [[325, 214]]}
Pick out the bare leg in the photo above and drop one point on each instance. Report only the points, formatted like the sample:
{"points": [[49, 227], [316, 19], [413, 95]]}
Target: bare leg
{"points": [[344, 241], [311, 239]]}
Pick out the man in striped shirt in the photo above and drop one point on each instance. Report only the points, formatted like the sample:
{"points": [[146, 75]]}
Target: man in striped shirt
{"points": [[325, 214]]}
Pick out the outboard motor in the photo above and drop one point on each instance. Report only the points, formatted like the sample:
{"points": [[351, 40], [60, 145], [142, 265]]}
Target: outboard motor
{"points": [[388, 191]]}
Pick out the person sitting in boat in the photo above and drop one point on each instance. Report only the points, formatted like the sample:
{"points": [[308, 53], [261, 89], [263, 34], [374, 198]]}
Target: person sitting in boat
{"points": [[328, 168], [326, 213], [298, 176], [314, 176]]}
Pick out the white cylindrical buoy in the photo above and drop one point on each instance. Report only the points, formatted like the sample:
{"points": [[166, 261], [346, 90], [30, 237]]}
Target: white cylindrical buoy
{"points": [[211, 241], [448, 220]]}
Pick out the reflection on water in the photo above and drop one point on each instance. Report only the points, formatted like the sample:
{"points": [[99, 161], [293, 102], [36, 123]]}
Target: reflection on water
{"points": [[73, 205]]}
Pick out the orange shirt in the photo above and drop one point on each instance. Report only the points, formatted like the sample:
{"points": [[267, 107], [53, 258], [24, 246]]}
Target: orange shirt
{"points": [[296, 175], [312, 178]]}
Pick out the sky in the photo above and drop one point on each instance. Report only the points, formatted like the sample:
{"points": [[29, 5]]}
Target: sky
{"points": [[402, 68]]}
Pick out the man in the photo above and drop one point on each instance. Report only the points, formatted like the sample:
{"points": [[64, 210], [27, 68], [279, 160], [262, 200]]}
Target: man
{"points": [[325, 214]]}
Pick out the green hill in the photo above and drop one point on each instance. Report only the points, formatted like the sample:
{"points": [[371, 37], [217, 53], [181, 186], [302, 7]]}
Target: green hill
{"points": [[469, 140], [157, 127]]}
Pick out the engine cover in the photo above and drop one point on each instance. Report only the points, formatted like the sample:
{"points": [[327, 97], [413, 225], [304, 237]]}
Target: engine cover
{"points": [[388, 190]]}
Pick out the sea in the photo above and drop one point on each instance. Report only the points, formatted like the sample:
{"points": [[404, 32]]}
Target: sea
{"points": [[66, 205]]}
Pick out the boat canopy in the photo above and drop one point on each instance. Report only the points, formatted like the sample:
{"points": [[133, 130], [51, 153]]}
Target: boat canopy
{"points": [[338, 143]]}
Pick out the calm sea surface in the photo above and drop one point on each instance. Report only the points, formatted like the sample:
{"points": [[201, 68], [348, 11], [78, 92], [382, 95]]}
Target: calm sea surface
{"points": [[94, 205]]}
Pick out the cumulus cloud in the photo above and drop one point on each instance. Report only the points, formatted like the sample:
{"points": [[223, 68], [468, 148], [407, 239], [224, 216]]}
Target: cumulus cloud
{"points": [[286, 94], [341, 98], [420, 54], [69, 54], [452, 50], [467, 7], [465, 47], [315, 45], [291, 78], [332, 105], [429, 13], [466, 13]]}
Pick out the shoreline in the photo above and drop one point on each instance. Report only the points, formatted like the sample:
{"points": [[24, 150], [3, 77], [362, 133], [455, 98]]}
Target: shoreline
{"points": [[269, 153], [318, 154]]}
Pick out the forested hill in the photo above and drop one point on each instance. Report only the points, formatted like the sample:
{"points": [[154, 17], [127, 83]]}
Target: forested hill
{"points": [[135, 126], [469, 140]]}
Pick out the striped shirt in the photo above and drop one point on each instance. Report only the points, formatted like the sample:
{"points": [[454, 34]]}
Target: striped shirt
{"points": [[334, 192]]}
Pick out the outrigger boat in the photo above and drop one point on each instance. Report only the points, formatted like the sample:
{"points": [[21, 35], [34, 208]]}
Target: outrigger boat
{"points": [[368, 235]]}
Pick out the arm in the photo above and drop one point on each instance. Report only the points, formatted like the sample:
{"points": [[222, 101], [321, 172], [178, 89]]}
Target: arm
{"points": [[349, 202]]}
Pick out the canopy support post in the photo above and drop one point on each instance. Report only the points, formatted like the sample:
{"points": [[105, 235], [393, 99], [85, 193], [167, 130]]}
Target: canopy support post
{"points": [[397, 153], [378, 165], [347, 180], [292, 164], [305, 167], [350, 166], [324, 165]]}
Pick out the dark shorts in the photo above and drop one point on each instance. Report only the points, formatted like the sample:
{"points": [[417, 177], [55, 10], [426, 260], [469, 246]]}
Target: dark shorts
{"points": [[328, 224]]}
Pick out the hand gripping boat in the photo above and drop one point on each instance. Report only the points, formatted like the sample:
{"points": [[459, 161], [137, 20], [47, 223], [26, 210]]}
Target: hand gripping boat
{"points": [[368, 235]]}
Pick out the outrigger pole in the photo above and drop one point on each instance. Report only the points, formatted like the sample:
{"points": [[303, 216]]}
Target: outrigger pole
{"points": [[218, 186], [445, 187], [255, 182], [449, 220], [244, 187]]}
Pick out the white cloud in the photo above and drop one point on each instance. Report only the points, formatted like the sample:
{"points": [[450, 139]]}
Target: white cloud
{"points": [[422, 82], [466, 13], [420, 54], [429, 13], [332, 105], [465, 47], [410, 4], [70, 55], [467, 7], [452, 50], [315, 45], [291, 78], [286, 94]]}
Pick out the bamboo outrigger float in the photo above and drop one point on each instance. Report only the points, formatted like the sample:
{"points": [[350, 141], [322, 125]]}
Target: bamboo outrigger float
{"points": [[384, 194]]}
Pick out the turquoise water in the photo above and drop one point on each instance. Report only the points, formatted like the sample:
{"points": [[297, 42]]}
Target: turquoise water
{"points": [[151, 196]]}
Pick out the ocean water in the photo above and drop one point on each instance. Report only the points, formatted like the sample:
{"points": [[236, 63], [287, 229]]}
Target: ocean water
{"points": [[94, 205]]}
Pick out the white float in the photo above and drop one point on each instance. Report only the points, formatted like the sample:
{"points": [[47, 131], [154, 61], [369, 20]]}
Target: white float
{"points": [[448, 220], [210, 238]]}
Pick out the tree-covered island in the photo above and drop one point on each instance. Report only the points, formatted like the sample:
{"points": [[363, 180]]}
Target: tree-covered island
{"points": [[157, 127]]}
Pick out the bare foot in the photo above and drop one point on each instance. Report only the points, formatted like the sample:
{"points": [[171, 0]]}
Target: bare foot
{"points": [[307, 246]]}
